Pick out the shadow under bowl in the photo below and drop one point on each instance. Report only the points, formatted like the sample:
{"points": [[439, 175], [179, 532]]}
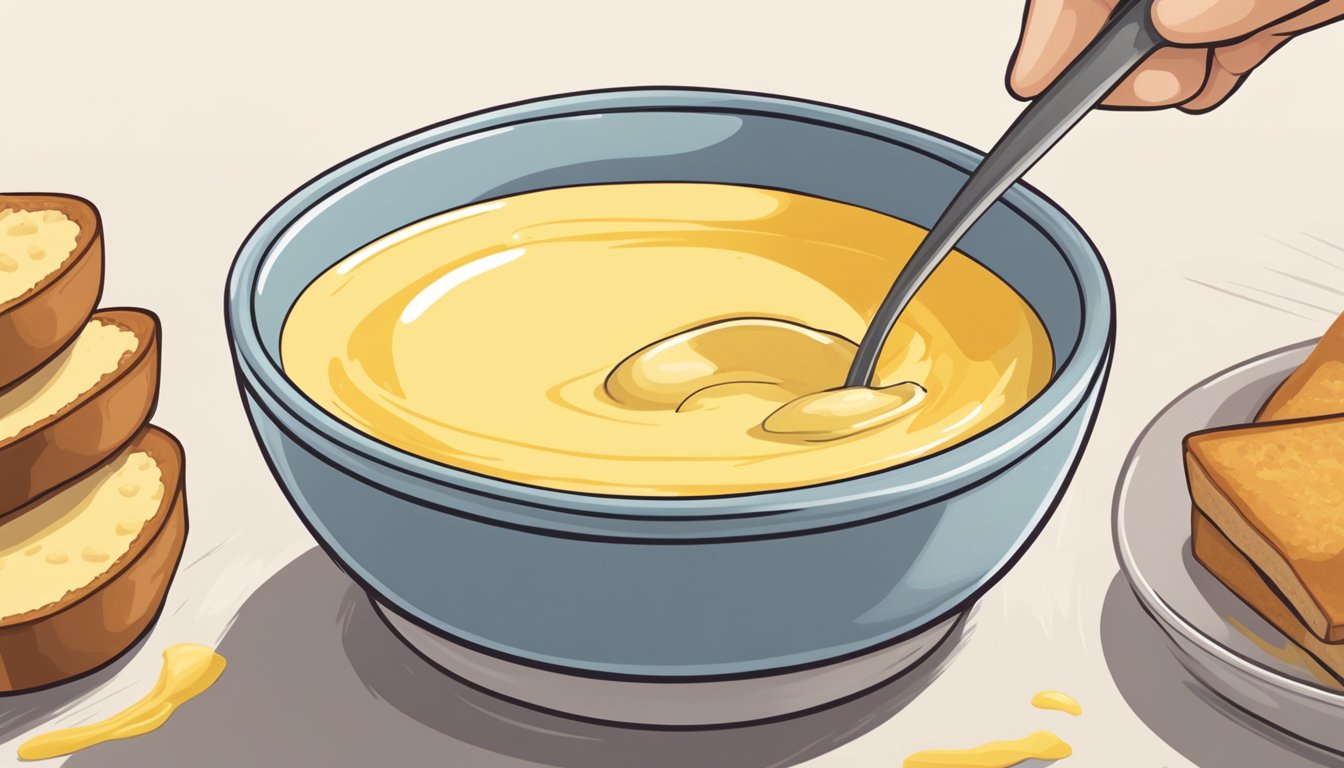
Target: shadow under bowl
{"points": [[671, 589]]}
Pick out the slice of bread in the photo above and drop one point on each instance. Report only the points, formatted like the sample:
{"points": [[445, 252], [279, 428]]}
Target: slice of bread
{"points": [[45, 295], [1316, 388], [1276, 490], [84, 571], [79, 407], [1216, 553]]}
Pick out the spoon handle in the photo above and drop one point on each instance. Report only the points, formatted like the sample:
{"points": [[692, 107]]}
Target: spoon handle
{"points": [[1128, 38]]}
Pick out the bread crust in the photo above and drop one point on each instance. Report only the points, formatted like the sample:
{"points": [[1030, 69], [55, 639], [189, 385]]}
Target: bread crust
{"points": [[1314, 388], [37, 324], [1305, 585], [77, 438], [1220, 556], [1241, 557], [95, 624]]}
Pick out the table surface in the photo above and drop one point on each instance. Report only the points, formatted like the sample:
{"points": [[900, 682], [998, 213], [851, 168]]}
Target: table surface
{"points": [[185, 125]]}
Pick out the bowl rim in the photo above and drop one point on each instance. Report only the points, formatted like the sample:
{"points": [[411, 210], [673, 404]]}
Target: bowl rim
{"points": [[908, 485]]}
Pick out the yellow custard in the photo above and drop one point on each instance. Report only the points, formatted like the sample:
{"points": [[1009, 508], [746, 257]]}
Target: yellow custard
{"points": [[1058, 701], [658, 340], [188, 670], [1041, 745], [1288, 653]]}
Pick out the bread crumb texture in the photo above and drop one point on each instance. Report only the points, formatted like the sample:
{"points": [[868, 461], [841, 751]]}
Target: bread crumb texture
{"points": [[1322, 393], [1292, 480], [96, 352], [33, 244], [76, 535]]}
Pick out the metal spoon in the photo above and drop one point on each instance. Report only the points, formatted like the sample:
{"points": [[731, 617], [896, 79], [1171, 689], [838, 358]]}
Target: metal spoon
{"points": [[1128, 38]]}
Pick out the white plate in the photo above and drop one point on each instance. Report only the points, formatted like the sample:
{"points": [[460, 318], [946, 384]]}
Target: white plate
{"points": [[1214, 635]]}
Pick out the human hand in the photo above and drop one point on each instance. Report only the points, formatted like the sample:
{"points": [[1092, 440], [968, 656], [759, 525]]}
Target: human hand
{"points": [[1214, 46]]}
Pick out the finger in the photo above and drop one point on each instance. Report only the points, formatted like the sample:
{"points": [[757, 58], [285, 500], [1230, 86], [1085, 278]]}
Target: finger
{"points": [[1232, 63], [1240, 58], [1200, 22], [1317, 16], [1221, 83], [1168, 77], [1053, 33]]}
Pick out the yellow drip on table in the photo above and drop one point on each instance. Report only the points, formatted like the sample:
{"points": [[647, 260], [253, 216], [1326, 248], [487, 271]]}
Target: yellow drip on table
{"points": [[1288, 653], [658, 340], [188, 670], [1041, 745], [1057, 700]]}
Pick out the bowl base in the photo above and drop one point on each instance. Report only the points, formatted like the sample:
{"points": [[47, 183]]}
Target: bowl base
{"points": [[680, 704]]}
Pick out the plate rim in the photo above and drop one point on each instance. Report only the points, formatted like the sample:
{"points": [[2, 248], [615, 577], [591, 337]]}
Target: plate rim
{"points": [[1150, 599]]}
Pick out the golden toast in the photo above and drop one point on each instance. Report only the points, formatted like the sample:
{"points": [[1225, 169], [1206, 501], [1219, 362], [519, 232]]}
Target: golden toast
{"points": [[90, 564], [92, 502], [1216, 553], [45, 295], [45, 442], [1276, 490], [1316, 388], [1290, 466]]}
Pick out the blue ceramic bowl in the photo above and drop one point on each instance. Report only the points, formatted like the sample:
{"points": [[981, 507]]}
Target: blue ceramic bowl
{"points": [[680, 588]]}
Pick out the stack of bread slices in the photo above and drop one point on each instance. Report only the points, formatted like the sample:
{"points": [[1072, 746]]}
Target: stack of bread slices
{"points": [[92, 507], [1269, 505]]}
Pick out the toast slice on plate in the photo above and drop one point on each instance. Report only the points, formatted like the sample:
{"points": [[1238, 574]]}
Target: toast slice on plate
{"points": [[1276, 490], [51, 275], [80, 406], [1216, 553], [84, 571], [1316, 388]]}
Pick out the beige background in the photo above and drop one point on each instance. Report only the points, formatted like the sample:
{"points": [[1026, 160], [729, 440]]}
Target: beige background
{"points": [[186, 122]]}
